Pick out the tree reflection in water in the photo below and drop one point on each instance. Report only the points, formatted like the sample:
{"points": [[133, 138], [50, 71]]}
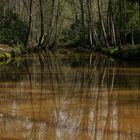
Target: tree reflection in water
{"points": [[54, 99]]}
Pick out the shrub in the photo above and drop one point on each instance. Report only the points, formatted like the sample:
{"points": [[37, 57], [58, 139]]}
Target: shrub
{"points": [[13, 29], [74, 33], [128, 22]]}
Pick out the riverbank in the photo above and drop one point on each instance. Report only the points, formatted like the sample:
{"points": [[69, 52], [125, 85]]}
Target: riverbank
{"points": [[127, 52]]}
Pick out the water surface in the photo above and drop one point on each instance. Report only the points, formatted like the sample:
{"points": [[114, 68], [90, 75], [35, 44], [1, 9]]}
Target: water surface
{"points": [[69, 96]]}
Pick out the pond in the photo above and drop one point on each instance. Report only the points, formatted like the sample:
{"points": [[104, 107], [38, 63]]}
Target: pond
{"points": [[65, 95]]}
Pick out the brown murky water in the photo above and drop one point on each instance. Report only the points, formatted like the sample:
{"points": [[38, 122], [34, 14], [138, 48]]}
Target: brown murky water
{"points": [[69, 96]]}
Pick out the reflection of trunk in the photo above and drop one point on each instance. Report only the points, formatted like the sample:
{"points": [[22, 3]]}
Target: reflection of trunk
{"points": [[34, 127], [84, 124], [96, 115], [110, 102], [101, 79], [42, 82]]}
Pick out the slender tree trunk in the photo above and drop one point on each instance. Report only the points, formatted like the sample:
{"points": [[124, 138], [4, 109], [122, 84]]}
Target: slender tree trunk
{"points": [[132, 35], [29, 23], [111, 25], [76, 15], [41, 24], [82, 19], [50, 27], [92, 33], [102, 24]]}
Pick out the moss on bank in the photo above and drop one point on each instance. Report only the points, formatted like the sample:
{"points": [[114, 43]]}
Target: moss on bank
{"points": [[7, 52], [5, 56]]}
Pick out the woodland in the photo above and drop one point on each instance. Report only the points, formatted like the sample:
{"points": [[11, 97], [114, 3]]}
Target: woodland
{"points": [[108, 26]]}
